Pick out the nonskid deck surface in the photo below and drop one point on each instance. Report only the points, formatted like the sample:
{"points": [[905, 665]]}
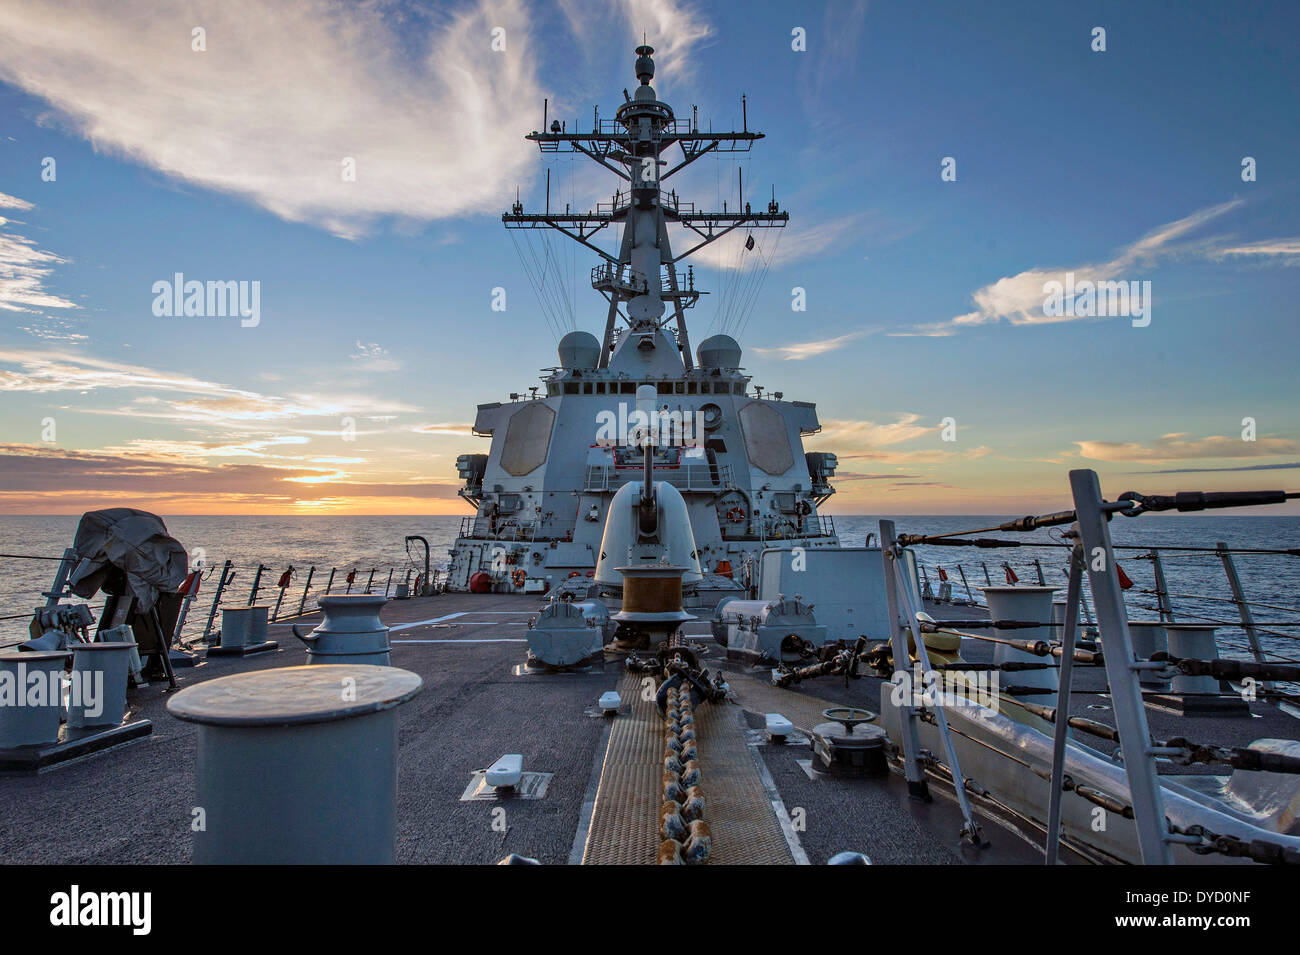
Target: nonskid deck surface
{"points": [[134, 804]]}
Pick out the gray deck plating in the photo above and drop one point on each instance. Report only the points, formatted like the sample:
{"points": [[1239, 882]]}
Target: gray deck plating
{"points": [[133, 805]]}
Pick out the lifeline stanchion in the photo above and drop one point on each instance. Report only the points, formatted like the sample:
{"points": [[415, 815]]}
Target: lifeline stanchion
{"points": [[1074, 590], [302, 604], [1166, 609], [1243, 609], [1126, 694], [970, 828], [285, 579], [227, 575], [917, 787], [257, 584]]}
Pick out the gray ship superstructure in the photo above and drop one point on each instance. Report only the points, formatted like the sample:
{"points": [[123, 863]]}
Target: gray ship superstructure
{"points": [[558, 455]]}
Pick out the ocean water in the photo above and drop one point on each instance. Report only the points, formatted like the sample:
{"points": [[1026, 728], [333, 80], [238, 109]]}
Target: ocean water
{"points": [[346, 543]]}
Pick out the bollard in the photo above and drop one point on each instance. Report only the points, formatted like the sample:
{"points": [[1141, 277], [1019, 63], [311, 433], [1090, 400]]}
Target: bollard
{"points": [[1148, 637], [98, 696], [1194, 640], [1058, 621], [1024, 603], [1199, 695], [32, 718], [243, 631], [297, 765], [350, 633]]}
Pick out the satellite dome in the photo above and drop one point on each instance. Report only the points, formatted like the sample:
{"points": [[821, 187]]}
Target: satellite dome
{"points": [[719, 351], [579, 350]]}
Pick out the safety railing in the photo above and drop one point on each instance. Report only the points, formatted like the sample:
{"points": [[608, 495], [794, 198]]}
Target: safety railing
{"points": [[1163, 820], [480, 527], [289, 593], [685, 477]]}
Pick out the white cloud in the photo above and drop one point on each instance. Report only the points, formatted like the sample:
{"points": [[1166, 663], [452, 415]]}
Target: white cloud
{"points": [[673, 28], [1288, 249], [372, 357], [869, 434], [1181, 447], [772, 247], [24, 268], [801, 350], [174, 396], [284, 92], [1018, 299]]}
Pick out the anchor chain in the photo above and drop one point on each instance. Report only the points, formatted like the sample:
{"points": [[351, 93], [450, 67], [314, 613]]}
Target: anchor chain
{"points": [[686, 836]]}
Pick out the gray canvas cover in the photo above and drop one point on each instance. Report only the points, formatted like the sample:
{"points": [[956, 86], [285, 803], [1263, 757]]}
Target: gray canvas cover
{"points": [[135, 542]]}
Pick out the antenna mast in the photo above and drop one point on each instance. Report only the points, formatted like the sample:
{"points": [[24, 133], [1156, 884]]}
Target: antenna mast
{"points": [[633, 146]]}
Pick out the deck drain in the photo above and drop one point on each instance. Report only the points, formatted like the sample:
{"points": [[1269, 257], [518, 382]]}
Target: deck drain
{"points": [[531, 786]]}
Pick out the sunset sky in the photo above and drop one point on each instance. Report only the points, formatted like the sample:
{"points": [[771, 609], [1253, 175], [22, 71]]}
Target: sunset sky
{"points": [[128, 156]]}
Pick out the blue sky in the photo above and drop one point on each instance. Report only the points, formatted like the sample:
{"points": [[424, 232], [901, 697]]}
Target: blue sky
{"points": [[376, 294]]}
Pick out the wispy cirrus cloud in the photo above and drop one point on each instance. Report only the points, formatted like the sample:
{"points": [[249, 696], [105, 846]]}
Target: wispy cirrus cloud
{"points": [[283, 93], [373, 357], [906, 427], [1285, 251], [24, 268], [772, 247], [172, 395], [1181, 446], [1018, 299], [798, 351], [44, 477], [673, 27]]}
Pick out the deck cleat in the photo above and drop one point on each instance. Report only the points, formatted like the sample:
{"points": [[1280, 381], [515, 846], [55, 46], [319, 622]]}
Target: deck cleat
{"points": [[506, 772]]}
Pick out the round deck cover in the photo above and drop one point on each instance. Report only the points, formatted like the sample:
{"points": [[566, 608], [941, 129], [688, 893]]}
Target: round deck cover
{"points": [[290, 696], [31, 656]]}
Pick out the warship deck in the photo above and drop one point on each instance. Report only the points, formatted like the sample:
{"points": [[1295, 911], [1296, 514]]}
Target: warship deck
{"points": [[132, 804]]}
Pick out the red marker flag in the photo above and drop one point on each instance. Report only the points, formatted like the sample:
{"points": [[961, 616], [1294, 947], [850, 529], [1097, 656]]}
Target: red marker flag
{"points": [[191, 584], [1124, 582], [1011, 575], [943, 574]]}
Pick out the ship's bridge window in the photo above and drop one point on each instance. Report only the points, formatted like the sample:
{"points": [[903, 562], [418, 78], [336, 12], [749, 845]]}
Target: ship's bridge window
{"points": [[679, 387], [665, 387], [600, 387], [692, 387], [570, 387], [627, 387], [738, 388], [552, 389], [586, 388]]}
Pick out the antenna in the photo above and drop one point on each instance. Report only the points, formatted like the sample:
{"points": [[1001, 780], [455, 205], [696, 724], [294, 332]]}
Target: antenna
{"points": [[641, 281]]}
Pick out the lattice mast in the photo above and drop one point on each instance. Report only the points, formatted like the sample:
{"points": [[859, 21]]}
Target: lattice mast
{"points": [[643, 279]]}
